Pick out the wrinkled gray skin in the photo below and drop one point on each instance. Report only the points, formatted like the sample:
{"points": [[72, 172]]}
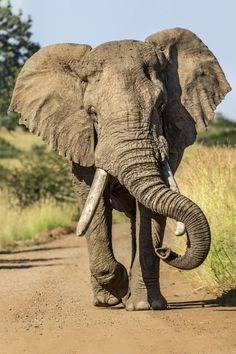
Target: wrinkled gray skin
{"points": [[126, 107]]}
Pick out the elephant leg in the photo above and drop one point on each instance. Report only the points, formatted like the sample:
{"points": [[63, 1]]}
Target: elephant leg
{"points": [[108, 277], [144, 276]]}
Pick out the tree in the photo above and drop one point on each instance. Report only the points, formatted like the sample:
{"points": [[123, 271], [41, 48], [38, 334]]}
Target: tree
{"points": [[16, 47]]}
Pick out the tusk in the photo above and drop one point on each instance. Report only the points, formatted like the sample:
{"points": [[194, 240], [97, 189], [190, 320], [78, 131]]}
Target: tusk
{"points": [[180, 228], [170, 181], [97, 188]]}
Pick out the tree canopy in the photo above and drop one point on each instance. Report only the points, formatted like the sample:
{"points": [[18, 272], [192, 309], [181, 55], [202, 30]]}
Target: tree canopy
{"points": [[16, 47]]}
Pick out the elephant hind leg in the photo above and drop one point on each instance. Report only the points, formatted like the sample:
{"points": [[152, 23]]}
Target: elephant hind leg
{"points": [[108, 277]]}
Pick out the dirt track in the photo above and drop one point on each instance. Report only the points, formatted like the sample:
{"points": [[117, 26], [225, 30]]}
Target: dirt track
{"points": [[46, 308]]}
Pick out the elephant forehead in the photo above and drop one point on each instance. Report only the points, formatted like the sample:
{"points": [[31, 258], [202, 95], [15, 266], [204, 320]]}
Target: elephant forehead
{"points": [[121, 53], [125, 48]]}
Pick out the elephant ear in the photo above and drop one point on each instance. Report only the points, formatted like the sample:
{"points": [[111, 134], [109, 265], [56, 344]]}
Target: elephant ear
{"points": [[49, 96], [194, 81]]}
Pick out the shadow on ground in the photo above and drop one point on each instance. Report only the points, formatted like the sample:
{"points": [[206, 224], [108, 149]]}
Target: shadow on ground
{"points": [[192, 304]]}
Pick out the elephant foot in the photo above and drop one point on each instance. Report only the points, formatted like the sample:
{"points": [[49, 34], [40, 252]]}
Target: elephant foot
{"points": [[145, 298], [138, 304], [102, 297], [110, 288]]}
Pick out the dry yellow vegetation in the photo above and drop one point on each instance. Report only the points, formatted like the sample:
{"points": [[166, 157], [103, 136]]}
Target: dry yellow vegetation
{"points": [[208, 177]]}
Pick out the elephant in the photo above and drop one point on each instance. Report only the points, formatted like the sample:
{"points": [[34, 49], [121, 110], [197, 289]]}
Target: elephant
{"points": [[123, 113]]}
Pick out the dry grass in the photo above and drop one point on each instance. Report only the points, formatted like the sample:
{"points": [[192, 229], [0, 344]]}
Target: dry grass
{"points": [[208, 177], [22, 140], [24, 224]]}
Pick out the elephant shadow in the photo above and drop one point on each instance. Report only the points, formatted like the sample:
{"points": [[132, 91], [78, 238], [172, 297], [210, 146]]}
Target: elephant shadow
{"points": [[180, 305], [221, 303]]}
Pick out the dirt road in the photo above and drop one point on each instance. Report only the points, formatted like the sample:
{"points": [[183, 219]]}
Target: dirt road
{"points": [[46, 308]]}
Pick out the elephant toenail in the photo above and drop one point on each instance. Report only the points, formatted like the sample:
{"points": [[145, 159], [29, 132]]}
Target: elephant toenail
{"points": [[130, 307], [142, 305], [113, 301], [159, 305]]}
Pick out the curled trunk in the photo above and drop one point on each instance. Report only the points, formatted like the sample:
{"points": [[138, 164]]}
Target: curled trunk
{"points": [[141, 176]]}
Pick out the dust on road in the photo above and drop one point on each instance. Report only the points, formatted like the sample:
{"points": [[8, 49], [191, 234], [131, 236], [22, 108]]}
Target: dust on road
{"points": [[46, 308]]}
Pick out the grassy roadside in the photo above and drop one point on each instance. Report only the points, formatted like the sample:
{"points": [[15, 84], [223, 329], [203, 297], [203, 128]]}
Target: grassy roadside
{"points": [[208, 177], [24, 224]]}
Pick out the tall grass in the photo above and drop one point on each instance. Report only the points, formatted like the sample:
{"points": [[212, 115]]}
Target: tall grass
{"points": [[208, 177], [25, 224]]}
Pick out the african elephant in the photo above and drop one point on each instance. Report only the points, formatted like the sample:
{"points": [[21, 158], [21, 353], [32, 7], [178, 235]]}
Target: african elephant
{"points": [[127, 110]]}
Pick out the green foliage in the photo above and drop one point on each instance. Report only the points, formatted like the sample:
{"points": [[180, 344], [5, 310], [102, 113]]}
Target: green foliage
{"points": [[42, 175], [222, 122], [4, 172], [15, 48], [7, 150], [10, 121], [221, 131]]}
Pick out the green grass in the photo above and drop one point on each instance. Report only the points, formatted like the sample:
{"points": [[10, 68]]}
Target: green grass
{"points": [[24, 224], [208, 177]]}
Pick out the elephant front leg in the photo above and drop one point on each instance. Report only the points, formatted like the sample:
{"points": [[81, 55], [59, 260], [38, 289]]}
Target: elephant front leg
{"points": [[144, 284], [108, 277]]}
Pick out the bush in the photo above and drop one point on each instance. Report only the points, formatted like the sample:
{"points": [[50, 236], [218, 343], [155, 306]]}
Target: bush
{"points": [[10, 121], [42, 175], [4, 172], [7, 150], [221, 121], [221, 131]]}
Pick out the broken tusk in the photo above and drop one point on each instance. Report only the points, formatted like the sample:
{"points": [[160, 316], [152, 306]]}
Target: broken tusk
{"points": [[97, 188], [170, 181]]}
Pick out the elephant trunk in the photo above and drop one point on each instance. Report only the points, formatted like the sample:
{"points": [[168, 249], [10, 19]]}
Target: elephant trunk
{"points": [[141, 175]]}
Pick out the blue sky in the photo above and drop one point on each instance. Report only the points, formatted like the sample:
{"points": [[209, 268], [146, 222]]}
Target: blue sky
{"points": [[98, 21]]}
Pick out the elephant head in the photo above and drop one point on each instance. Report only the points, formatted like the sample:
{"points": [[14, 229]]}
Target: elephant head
{"points": [[124, 106]]}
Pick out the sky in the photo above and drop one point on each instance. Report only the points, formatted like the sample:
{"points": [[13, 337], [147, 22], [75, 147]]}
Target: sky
{"points": [[96, 21]]}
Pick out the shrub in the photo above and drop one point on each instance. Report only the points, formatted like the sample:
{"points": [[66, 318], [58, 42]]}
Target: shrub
{"points": [[221, 131], [42, 175], [7, 150], [4, 172], [10, 121]]}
